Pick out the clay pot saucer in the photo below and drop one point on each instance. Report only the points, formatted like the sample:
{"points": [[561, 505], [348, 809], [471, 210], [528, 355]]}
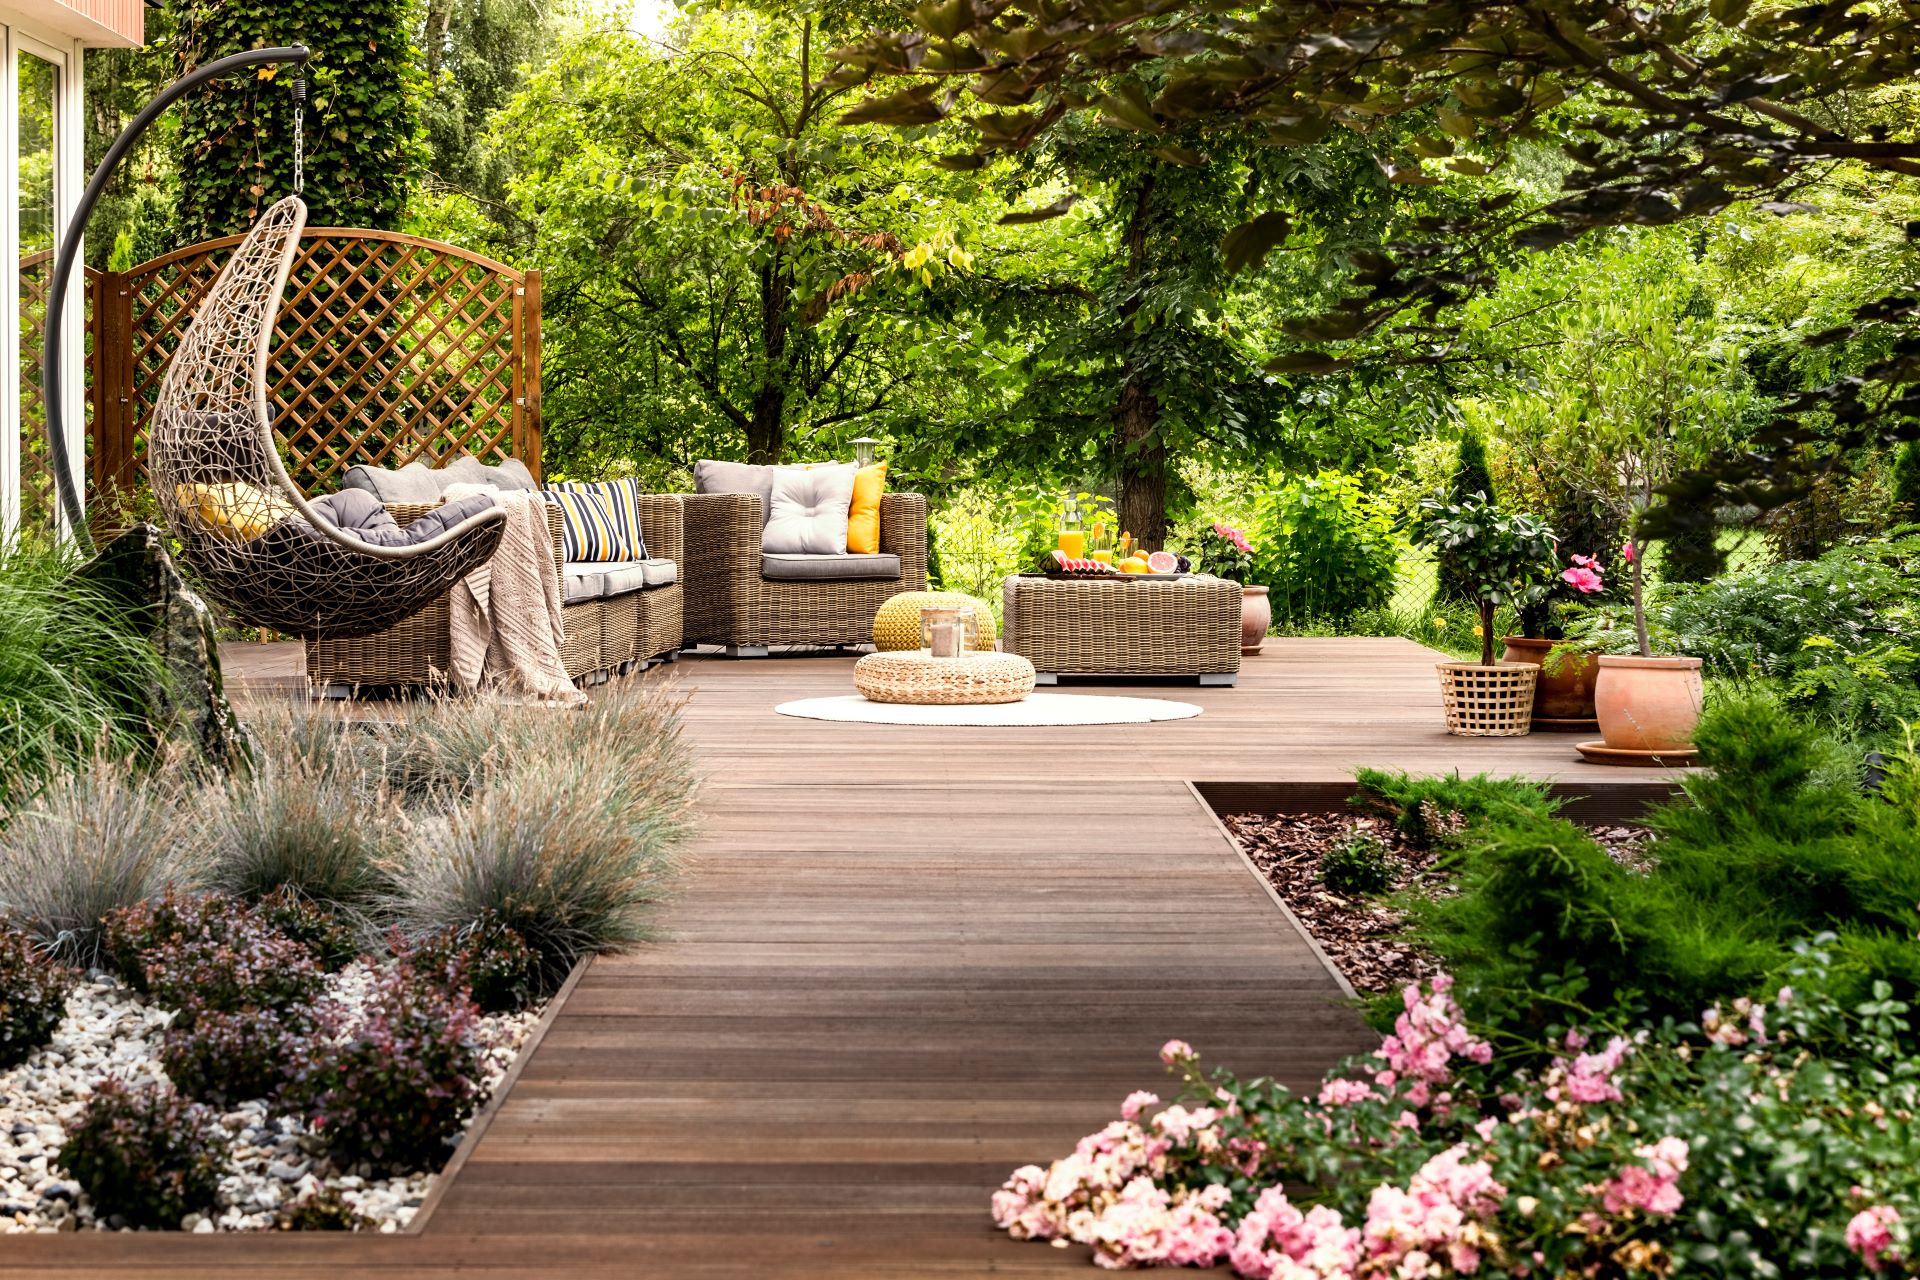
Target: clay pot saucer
{"points": [[1549, 724], [1599, 752]]}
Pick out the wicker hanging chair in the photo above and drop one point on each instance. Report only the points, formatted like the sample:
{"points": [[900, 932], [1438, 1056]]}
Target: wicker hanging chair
{"points": [[253, 540]]}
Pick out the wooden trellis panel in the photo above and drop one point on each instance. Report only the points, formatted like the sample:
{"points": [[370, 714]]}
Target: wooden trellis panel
{"points": [[388, 348]]}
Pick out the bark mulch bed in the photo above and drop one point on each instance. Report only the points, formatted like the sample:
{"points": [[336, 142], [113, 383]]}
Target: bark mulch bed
{"points": [[1360, 933]]}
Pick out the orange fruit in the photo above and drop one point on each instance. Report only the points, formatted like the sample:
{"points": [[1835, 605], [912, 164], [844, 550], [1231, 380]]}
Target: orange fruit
{"points": [[1133, 564]]}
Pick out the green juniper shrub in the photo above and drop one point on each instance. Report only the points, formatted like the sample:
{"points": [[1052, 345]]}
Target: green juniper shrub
{"points": [[129, 933], [226, 1058], [1772, 844], [334, 943], [1362, 866], [322, 1209], [146, 1153], [1430, 812], [397, 1090], [33, 995], [251, 968], [486, 958]]}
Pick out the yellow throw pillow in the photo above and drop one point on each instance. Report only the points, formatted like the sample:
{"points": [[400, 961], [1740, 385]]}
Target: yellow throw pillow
{"points": [[863, 517], [234, 509]]}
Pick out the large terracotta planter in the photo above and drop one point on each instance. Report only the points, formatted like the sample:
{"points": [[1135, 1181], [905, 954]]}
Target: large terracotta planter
{"points": [[1647, 704], [1256, 616], [1563, 697]]}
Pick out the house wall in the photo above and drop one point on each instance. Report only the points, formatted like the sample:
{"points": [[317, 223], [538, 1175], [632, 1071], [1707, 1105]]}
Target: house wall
{"points": [[92, 22]]}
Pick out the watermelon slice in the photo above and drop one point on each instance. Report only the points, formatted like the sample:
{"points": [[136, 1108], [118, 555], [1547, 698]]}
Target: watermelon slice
{"points": [[1163, 562]]}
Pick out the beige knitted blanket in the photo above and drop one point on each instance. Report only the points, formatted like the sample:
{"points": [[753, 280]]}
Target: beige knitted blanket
{"points": [[505, 627]]}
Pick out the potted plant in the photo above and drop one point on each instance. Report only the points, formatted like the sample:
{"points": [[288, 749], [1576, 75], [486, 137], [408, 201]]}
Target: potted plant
{"points": [[1222, 551], [1499, 558], [1563, 694]]}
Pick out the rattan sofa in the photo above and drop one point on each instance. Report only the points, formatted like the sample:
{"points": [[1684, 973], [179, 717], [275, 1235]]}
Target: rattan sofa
{"points": [[602, 636], [730, 602]]}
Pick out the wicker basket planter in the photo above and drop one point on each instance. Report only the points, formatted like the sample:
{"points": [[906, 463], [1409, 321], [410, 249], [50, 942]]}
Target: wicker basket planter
{"points": [[1488, 702]]}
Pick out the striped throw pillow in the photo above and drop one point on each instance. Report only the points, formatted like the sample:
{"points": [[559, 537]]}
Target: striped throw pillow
{"points": [[600, 519]]}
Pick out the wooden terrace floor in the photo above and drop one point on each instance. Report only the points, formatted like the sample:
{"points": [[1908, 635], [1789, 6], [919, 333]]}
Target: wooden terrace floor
{"points": [[903, 961]]}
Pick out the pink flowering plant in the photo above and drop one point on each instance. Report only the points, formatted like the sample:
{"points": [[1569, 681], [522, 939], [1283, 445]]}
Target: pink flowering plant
{"points": [[1742, 1144], [1223, 552]]}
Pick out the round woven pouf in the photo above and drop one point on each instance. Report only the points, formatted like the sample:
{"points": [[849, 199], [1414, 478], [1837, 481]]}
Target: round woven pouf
{"points": [[927, 681], [897, 625]]}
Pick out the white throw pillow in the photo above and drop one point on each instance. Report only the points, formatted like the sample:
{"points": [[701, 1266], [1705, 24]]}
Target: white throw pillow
{"points": [[808, 513]]}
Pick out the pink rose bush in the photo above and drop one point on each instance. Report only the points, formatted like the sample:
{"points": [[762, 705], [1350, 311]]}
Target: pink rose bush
{"points": [[1611, 1156]]}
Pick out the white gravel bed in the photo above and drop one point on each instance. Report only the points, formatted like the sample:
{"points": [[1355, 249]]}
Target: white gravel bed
{"points": [[109, 1031]]}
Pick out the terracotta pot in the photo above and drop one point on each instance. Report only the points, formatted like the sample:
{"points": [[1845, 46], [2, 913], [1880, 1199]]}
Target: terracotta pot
{"points": [[1647, 704], [1256, 615], [1565, 693]]}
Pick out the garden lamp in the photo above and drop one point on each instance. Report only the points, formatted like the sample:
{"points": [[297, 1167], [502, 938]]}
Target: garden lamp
{"points": [[863, 450]]}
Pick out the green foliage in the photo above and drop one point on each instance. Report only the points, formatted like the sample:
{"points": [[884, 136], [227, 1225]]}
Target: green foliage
{"points": [[70, 670], [1906, 484], [1838, 637], [1470, 476], [145, 1153], [1324, 546], [1495, 557], [235, 142], [1432, 812], [1362, 866], [33, 995], [1773, 844]]}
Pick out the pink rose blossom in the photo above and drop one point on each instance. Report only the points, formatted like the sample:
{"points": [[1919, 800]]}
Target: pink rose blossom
{"points": [[1176, 1051], [1136, 1102], [1871, 1234], [1651, 1188]]}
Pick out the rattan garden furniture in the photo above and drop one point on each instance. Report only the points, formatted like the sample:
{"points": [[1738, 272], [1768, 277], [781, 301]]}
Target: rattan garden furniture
{"points": [[603, 635], [745, 601], [1187, 626], [915, 677]]}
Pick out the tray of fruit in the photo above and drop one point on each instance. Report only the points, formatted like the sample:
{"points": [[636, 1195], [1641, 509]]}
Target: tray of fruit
{"points": [[1161, 566]]}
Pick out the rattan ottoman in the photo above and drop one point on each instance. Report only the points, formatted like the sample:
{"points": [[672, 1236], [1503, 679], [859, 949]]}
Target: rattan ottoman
{"points": [[915, 677], [1187, 626]]}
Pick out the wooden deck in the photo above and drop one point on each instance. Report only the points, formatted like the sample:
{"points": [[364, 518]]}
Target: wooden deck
{"points": [[903, 962]]}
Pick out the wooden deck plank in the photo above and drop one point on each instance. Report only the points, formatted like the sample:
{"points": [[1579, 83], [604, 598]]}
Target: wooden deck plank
{"points": [[902, 961]]}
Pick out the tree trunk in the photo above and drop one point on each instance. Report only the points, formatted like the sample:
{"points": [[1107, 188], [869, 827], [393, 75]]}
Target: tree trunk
{"points": [[1141, 461], [1143, 467], [766, 425]]}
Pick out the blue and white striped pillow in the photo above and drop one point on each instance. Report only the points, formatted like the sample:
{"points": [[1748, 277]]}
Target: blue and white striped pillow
{"points": [[600, 519]]}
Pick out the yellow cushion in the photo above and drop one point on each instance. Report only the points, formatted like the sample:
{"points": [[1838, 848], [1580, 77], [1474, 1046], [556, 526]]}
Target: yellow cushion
{"points": [[863, 517], [233, 509], [896, 627]]}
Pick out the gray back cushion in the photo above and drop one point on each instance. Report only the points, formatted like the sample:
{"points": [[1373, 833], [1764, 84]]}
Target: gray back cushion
{"points": [[417, 482], [809, 512], [710, 476]]}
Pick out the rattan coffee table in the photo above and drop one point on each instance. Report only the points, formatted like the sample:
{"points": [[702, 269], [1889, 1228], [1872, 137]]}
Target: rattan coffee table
{"points": [[914, 676], [1188, 626]]}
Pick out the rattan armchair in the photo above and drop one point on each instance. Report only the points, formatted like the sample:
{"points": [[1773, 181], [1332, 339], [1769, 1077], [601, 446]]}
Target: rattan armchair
{"points": [[602, 636], [730, 603]]}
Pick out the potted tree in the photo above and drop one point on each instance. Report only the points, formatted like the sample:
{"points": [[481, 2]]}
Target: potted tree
{"points": [[1222, 551], [1563, 695], [1500, 559]]}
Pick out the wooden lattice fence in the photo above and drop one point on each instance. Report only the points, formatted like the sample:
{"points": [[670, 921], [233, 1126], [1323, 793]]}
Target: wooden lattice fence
{"points": [[388, 348]]}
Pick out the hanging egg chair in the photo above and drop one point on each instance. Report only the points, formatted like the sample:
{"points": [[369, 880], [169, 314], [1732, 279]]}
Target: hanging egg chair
{"points": [[253, 540]]}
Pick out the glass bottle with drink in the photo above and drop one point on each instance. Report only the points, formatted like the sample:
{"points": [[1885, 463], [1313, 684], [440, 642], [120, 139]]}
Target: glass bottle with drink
{"points": [[1073, 538]]}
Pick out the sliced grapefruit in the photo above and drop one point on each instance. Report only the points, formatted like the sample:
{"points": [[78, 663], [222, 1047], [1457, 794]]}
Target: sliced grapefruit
{"points": [[1163, 562]]}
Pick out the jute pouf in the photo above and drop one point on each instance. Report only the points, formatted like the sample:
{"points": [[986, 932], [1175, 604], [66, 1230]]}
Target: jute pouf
{"points": [[917, 678], [897, 625]]}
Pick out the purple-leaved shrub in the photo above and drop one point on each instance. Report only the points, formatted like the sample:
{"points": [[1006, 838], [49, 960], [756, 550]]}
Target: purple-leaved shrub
{"points": [[488, 958], [33, 995], [252, 968], [146, 1153]]}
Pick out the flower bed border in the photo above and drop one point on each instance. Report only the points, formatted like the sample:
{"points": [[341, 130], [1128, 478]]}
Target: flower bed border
{"points": [[484, 1120]]}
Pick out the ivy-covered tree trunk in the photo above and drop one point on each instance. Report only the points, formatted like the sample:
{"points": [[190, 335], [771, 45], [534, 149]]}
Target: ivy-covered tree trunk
{"points": [[766, 417], [1142, 454], [236, 135]]}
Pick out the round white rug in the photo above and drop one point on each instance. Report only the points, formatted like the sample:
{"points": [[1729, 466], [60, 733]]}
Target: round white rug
{"points": [[1035, 709]]}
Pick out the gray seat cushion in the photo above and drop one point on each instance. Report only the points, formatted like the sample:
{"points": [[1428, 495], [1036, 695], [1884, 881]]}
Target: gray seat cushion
{"points": [[805, 568], [364, 516], [597, 580]]}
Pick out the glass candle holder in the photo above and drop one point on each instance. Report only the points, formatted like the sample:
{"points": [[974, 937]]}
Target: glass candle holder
{"points": [[948, 631]]}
